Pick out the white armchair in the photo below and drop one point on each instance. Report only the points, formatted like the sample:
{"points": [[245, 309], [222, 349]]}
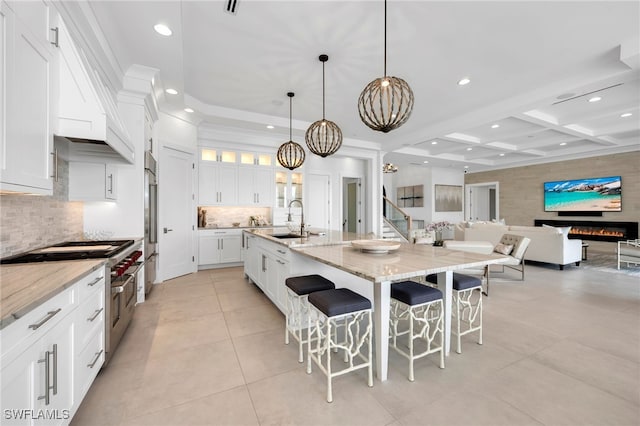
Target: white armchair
{"points": [[516, 258], [629, 252]]}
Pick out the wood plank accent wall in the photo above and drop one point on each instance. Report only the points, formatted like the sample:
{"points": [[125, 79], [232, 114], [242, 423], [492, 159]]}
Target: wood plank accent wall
{"points": [[521, 188]]}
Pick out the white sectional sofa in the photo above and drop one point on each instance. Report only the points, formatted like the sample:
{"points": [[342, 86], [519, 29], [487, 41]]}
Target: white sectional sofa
{"points": [[550, 245]]}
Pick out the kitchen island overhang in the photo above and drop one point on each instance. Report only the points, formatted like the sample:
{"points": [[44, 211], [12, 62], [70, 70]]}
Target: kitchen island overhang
{"points": [[371, 275]]}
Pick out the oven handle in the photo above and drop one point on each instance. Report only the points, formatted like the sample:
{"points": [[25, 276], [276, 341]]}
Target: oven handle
{"points": [[120, 288]]}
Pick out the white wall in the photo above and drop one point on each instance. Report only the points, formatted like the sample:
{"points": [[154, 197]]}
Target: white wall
{"points": [[409, 175], [172, 131]]}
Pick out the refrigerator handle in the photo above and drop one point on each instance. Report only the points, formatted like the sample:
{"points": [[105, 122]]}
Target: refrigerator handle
{"points": [[153, 213]]}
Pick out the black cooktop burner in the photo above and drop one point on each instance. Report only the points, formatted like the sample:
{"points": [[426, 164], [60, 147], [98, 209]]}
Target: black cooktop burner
{"points": [[84, 251]]}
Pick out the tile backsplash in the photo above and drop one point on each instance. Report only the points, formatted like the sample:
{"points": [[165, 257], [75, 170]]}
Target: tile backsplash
{"points": [[28, 222], [224, 217]]}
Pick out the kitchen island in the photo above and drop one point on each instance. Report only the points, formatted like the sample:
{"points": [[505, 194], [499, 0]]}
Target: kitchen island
{"points": [[366, 273]]}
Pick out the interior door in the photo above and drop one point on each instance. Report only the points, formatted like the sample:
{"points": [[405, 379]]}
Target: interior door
{"points": [[176, 254], [318, 209], [351, 205]]}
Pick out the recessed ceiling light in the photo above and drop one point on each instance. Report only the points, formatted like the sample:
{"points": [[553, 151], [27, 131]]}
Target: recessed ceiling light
{"points": [[464, 81], [469, 149], [626, 114], [466, 167], [434, 143], [426, 161], [495, 126], [162, 29], [270, 126], [189, 110], [595, 99], [563, 144], [502, 155], [172, 91]]}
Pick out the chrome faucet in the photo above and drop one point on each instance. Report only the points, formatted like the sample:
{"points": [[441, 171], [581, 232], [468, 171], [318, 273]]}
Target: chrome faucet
{"points": [[302, 231]]}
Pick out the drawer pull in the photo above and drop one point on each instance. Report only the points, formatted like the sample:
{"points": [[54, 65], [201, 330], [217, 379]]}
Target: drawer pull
{"points": [[280, 262], [50, 315], [281, 251], [94, 282], [95, 315], [91, 365]]}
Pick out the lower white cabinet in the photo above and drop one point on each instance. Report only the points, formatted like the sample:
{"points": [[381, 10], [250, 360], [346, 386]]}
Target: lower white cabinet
{"points": [[267, 264], [43, 378], [219, 247], [93, 181]]}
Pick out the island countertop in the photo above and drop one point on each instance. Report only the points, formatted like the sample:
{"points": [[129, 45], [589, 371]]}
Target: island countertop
{"points": [[326, 238], [25, 286], [410, 260]]}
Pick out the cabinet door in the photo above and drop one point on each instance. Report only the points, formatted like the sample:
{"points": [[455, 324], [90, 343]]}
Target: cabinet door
{"points": [[263, 186], [19, 390], [282, 273], [208, 250], [246, 191], [228, 184], [207, 184], [230, 249], [271, 278], [92, 181], [26, 153]]}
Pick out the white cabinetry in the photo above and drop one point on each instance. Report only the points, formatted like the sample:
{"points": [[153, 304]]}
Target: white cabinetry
{"points": [[218, 184], [255, 185], [268, 265], [27, 64], [42, 366], [92, 181], [219, 247]]}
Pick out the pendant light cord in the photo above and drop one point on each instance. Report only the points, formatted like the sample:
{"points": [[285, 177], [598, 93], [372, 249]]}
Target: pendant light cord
{"points": [[323, 91], [385, 38], [290, 121]]}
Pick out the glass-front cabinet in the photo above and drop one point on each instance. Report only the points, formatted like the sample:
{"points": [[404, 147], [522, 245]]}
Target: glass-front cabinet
{"points": [[256, 159], [288, 188], [217, 155]]}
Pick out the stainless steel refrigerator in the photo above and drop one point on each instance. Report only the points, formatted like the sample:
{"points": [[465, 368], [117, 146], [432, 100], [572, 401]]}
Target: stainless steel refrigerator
{"points": [[150, 221]]}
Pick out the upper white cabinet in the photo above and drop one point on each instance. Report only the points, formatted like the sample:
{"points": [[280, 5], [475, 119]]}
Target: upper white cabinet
{"points": [[27, 65], [93, 181], [217, 178], [255, 185]]}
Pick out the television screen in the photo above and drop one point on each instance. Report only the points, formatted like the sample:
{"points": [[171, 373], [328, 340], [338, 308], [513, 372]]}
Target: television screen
{"points": [[603, 194]]}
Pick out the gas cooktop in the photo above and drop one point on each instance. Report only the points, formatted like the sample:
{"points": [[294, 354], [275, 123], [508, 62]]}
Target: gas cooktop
{"points": [[71, 250]]}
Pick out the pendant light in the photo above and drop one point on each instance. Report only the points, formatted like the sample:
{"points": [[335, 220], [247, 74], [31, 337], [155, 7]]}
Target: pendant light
{"points": [[386, 103], [290, 154], [323, 137], [389, 168]]}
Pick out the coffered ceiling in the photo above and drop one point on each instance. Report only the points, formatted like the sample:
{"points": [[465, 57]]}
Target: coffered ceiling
{"points": [[534, 67]]}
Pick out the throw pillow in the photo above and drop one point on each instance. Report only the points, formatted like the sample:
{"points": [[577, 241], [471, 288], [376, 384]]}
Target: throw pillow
{"points": [[505, 249]]}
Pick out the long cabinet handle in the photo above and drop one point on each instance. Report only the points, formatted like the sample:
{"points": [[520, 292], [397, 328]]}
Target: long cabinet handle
{"points": [[96, 281], [55, 165], [50, 315], [95, 315], [92, 364], [56, 41], [110, 190], [46, 378], [280, 261], [55, 369]]}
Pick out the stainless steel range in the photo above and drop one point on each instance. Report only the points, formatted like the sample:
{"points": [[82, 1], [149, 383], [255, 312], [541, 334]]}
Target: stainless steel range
{"points": [[124, 263]]}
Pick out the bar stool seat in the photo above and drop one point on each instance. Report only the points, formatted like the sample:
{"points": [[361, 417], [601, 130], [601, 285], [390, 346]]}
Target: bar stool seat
{"points": [[467, 309], [298, 289], [351, 311], [422, 307]]}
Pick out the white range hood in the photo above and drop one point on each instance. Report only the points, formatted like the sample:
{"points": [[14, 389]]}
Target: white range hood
{"points": [[88, 127]]}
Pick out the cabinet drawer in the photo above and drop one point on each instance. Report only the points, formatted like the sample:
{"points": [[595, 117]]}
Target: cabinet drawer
{"points": [[88, 363], [90, 314], [91, 283], [37, 322]]}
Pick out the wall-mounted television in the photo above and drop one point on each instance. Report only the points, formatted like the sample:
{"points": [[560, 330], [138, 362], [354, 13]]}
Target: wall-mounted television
{"points": [[601, 194]]}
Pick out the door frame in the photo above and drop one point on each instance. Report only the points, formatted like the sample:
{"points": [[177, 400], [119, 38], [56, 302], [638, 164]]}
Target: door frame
{"points": [[470, 200], [161, 201], [346, 180]]}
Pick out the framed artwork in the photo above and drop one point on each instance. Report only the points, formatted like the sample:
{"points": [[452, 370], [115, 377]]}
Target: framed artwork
{"points": [[410, 196], [448, 198]]}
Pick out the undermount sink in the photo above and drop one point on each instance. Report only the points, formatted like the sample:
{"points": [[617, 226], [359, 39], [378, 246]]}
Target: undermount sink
{"points": [[284, 236]]}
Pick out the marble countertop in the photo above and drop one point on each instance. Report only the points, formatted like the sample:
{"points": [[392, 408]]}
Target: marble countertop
{"points": [[330, 238], [25, 286], [409, 261]]}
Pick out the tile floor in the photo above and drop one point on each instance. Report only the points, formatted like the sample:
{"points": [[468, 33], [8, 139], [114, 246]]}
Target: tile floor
{"points": [[562, 348]]}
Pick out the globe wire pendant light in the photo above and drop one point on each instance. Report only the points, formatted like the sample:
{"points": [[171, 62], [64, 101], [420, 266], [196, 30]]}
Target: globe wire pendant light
{"points": [[323, 137], [386, 103], [290, 154]]}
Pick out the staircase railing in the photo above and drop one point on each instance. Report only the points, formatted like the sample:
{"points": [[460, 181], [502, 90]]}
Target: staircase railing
{"points": [[399, 220]]}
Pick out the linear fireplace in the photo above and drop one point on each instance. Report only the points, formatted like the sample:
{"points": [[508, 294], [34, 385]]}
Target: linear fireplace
{"points": [[596, 230]]}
